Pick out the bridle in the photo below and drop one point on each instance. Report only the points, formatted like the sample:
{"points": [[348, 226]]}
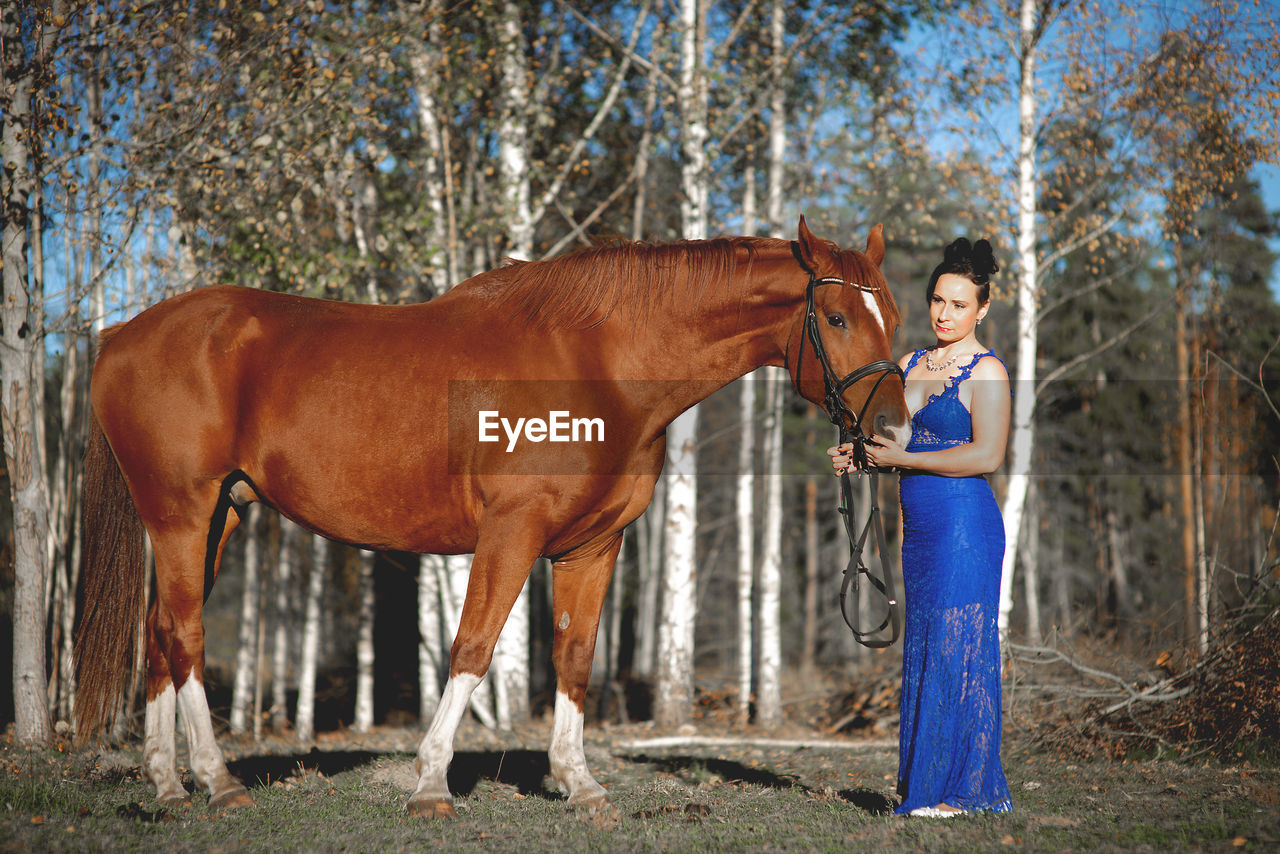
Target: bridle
{"points": [[844, 419]]}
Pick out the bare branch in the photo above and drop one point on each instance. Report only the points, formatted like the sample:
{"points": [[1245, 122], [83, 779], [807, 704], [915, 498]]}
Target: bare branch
{"points": [[1072, 364]]}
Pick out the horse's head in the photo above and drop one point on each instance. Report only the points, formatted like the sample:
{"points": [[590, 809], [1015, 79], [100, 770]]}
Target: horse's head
{"points": [[847, 325]]}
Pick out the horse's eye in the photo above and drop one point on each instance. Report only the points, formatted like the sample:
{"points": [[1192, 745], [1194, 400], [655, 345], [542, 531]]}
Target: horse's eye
{"points": [[836, 320]]}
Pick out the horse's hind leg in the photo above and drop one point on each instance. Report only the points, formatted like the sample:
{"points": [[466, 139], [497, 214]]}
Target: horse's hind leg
{"points": [[176, 666], [159, 749], [579, 584]]}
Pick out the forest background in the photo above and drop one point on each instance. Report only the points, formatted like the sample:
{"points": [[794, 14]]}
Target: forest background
{"points": [[383, 151]]}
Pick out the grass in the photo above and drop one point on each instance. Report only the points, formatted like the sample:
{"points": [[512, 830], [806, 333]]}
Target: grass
{"points": [[752, 799]]}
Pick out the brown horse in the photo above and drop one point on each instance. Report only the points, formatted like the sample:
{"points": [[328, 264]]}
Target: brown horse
{"points": [[399, 427]]}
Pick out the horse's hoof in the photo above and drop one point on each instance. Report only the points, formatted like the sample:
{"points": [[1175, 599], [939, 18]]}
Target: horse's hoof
{"points": [[174, 800], [431, 808], [598, 811], [231, 799]]}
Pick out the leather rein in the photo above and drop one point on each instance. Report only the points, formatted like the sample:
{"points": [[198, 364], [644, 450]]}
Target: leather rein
{"points": [[844, 419]]}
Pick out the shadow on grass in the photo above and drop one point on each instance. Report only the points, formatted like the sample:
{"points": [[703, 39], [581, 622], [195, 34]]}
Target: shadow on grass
{"points": [[867, 800], [524, 769]]}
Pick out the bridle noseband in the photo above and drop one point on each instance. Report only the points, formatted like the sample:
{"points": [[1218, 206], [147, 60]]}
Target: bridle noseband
{"points": [[850, 429]]}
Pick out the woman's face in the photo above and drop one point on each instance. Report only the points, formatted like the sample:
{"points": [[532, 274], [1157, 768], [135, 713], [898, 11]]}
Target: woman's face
{"points": [[954, 309]]}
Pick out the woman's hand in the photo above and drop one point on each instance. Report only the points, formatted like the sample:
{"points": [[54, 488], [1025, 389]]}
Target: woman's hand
{"points": [[884, 452], [842, 458]]}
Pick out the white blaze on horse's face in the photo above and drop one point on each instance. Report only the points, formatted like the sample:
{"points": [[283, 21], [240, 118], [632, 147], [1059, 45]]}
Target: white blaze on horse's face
{"points": [[873, 306]]}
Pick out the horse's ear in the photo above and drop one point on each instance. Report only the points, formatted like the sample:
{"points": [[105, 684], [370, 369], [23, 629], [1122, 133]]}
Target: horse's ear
{"points": [[813, 252], [875, 245]]}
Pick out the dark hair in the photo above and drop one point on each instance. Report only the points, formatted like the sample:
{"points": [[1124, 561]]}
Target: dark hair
{"points": [[974, 262]]}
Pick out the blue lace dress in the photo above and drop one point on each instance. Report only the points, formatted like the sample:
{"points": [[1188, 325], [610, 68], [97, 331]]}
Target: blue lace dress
{"points": [[952, 548]]}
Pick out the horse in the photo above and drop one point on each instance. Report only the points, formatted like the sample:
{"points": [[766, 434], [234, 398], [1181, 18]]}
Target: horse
{"points": [[400, 428]]}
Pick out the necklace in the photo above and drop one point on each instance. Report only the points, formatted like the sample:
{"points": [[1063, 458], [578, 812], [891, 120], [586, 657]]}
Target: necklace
{"points": [[930, 365]]}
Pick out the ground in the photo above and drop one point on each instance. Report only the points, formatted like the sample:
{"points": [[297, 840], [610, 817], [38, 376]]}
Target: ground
{"points": [[797, 789]]}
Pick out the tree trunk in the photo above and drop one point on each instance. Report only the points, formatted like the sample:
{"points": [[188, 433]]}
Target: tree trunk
{"points": [[745, 493], [304, 721], [1023, 432], [21, 366], [746, 543], [1031, 563], [1185, 462], [250, 607], [431, 642], [769, 692], [363, 719], [674, 693], [769, 688], [809, 646], [673, 701], [510, 679], [286, 564], [425, 60]]}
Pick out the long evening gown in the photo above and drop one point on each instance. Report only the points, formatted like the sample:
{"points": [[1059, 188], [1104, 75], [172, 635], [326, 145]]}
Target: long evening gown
{"points": [[952, 548]]}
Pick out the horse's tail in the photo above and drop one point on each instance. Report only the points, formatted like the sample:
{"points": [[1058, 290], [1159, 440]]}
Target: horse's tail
{"points": [[112, 594]]}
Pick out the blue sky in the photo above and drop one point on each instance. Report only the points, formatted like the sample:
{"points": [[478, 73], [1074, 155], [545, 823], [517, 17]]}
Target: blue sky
{"points": [[1268, 175]]}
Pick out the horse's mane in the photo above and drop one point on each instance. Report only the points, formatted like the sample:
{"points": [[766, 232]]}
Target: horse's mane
{"points": [[584, 288]]}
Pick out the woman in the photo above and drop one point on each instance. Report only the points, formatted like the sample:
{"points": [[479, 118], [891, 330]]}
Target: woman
{"points": [[952, 549]]}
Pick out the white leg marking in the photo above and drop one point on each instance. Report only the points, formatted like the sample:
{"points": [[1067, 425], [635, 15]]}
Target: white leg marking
{"points": [[206, 759], [435, 752], [159, 752], [568, 762]]}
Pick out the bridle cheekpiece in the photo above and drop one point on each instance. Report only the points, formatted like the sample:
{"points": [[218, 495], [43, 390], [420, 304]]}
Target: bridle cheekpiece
{"points": [[851, 429]]}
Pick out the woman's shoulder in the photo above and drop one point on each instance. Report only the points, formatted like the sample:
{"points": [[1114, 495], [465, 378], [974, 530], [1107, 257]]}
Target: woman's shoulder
{"points": [[990, 367]]}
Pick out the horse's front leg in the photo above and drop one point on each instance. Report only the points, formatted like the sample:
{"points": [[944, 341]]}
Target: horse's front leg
{"points": [[579, 583], [432, 798], [498, 573]]}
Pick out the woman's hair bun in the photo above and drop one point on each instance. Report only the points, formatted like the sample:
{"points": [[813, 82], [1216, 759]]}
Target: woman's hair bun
{"points": [[984, 260], [974, 261], [958, 252]]}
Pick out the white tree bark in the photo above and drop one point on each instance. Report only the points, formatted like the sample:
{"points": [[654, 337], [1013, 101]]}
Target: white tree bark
{"points": [[363, 721], [673, 701], [250, 607], [513, 134], [769, 617], [745, 494], [21, 367], [304, 721], [286, 563], [1023, 429], [769, 690], [431, 649], [510, 679], [745, 500], [674, 690], [424, 64]]}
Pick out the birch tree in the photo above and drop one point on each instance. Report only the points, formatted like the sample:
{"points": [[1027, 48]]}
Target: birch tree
{"points": [[27, 38], [291, 537], [304, 720], [242, 692], [769, 690], [363, 718], [1032, 19], [674, 690]]}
